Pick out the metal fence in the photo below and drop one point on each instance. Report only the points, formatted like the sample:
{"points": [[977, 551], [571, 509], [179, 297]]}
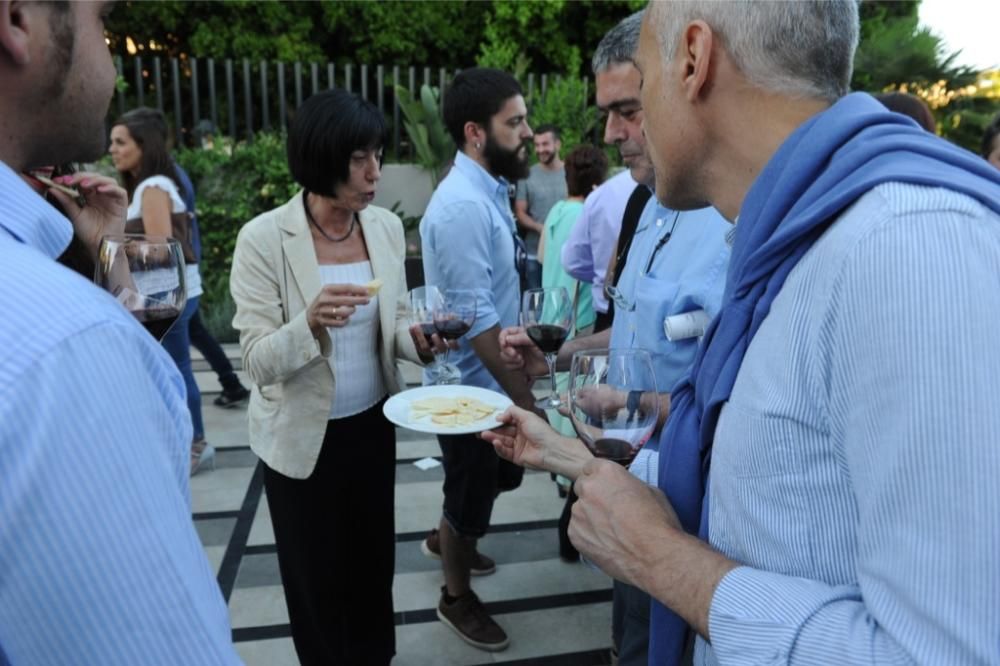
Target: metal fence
{"points": [[240, 97]]}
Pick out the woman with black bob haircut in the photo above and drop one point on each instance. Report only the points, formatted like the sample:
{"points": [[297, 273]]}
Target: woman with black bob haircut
{"points": [[320, 293]]}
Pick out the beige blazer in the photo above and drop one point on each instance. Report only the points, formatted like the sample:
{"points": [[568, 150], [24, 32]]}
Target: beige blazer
{"points": [[275, 276]]}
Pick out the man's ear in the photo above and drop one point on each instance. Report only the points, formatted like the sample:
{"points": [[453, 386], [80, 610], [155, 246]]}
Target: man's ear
{"points": [[474, 134], [17, 19], [697, 42]]}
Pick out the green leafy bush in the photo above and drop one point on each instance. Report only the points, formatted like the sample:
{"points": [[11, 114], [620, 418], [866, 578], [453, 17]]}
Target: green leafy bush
{"points": [[234, 184]]}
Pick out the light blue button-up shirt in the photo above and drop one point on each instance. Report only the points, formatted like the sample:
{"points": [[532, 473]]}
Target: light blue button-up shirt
{"points": [[856, 466], [467, 234], [660, 279], [99, 560]]}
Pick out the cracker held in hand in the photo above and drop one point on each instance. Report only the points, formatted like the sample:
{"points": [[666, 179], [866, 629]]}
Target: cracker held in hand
{"points": [[374, 286], [452, 412]]}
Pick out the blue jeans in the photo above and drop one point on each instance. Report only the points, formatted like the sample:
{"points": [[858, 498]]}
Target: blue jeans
{"points": [[209, 347], [177, 342]]}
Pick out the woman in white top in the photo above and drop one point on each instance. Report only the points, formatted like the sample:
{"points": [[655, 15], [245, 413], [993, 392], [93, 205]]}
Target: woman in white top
{"points": [[321, 349], [139, 152]]}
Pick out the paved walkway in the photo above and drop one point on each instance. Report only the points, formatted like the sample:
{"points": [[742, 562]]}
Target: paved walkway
{"points": [[555, 613]]}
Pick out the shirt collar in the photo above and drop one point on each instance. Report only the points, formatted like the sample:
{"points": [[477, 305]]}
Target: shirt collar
{"points": [[480, 176], [29, 218]]}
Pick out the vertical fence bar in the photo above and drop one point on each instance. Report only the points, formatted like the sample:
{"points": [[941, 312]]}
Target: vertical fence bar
{"points": [[348, 71], [329, 76], [395, 110], [265, 114], [364, 82], [298, 84], [140, 96], [531, 85], [412, 87], [380, 88], [212, 101], [196, 96], [282, 104], [230, 98], [247, 99], [158, 81], [120, 68], [427, 76], [314, 67], [545, 83], [442, 78], [175, 80]]}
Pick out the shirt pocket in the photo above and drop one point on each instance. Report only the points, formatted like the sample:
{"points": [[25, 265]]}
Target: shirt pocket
{"points": [[655, 299]]}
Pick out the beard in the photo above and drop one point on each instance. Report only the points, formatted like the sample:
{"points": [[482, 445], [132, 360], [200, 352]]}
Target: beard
{"points": [[506, 163], [546, 158], [80, 134]]}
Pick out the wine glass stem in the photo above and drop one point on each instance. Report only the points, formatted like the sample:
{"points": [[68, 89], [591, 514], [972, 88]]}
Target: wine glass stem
{"points": [[551, 360]]}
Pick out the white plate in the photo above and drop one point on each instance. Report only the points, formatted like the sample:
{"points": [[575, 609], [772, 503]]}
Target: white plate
{"points": [[397, 408]]}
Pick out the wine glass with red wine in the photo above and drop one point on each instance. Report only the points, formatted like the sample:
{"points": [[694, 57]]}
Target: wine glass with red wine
{"points": [[614, 405], [423, 302], [453, 318], [547, 317], [146, 275]]}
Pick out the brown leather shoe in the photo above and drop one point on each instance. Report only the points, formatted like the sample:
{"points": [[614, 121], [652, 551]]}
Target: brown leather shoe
{"points": [[469, 619], [431, 547]]}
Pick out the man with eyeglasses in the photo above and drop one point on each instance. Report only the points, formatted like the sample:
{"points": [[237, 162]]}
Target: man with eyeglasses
{"points": [[469, 242], [676, 266]]}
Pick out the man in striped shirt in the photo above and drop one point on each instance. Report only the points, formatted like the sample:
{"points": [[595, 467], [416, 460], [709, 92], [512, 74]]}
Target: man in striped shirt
{"points": [[99, 560], [836, 442]]}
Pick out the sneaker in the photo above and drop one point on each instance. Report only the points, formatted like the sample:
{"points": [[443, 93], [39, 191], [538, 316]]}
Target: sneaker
{"points": [[469, 619], [232, 398], [431, 547]]}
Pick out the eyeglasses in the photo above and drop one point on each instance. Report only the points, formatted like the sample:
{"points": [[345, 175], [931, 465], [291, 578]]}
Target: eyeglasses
{"points": [[520, 255], [616, 296]]}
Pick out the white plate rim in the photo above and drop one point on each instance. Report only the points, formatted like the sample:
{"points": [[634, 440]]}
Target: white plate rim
{"points": [[398, 404]]}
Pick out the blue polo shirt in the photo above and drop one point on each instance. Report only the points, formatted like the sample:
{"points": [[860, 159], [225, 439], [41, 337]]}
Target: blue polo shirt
{"points": [[467, 234]]}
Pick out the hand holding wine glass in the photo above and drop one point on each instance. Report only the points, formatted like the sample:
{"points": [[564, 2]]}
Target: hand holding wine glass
{"points": [[422, 302], [453, 318], [547, 317], [614, 405], [146, 275]]}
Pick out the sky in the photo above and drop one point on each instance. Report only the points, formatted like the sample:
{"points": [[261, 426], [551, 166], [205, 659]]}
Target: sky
{"points": [[970, 25]]}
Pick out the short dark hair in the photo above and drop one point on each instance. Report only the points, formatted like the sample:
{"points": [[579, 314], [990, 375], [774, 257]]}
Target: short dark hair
{"points": [[476, 95], [586, 166], [991, 132], [148, 128], [909, 105], [326, 130], [548, 128]]}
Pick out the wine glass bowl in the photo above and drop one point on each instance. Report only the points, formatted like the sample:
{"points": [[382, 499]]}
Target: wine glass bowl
{"points": [[453, 317], [146, 275], [422, 303], [614, 406], [547, 317]]}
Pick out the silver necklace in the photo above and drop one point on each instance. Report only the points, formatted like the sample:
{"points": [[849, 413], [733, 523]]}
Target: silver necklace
{"points": [[350, 229]]}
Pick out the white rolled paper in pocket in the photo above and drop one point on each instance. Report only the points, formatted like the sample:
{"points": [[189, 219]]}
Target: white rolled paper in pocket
{"points": [[686, 325]]}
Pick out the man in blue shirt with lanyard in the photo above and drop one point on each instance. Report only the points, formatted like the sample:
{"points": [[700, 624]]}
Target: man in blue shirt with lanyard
{"points": [[676, 264], [99, 559], [469, 242]]}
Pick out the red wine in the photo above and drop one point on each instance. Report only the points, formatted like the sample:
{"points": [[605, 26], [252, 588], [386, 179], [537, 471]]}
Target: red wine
{"points": [[616, 450], [547, 337], [427, 328], [157, 320], [451, 329]]}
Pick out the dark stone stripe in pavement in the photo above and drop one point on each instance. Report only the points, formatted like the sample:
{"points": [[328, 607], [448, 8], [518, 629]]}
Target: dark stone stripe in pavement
{"points": [[265, 632], [516, 605], [588, 658], [230, 566]]}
